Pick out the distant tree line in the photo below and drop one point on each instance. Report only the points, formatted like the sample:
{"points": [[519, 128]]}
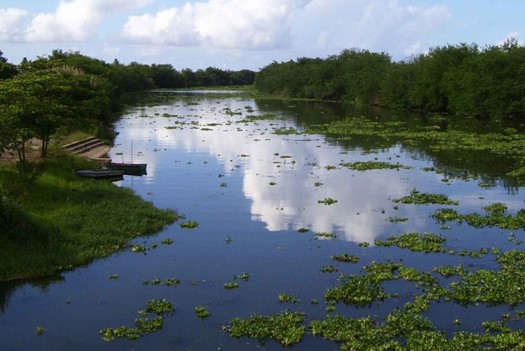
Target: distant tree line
{"points": [[67, 91], [460, 79]]}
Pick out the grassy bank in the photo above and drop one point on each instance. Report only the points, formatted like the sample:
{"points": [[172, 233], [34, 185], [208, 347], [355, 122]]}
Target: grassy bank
{"points": [[61, 221]]}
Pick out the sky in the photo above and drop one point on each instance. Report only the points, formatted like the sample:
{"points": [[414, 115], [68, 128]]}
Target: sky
{"points": [[249, 34]]}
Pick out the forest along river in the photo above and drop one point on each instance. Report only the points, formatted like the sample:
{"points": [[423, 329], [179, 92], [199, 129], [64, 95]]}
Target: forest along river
{"points": [[271, 209]]}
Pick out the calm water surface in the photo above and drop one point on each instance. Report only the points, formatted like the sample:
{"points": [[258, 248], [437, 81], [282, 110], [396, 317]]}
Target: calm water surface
{"points": [[250, 190]]}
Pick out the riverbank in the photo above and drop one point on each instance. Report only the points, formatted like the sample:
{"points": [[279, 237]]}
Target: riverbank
{"points": [[61, 221]]}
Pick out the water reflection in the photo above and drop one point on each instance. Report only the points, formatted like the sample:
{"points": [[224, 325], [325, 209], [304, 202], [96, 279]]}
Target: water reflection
{"points": [[284, 178]]}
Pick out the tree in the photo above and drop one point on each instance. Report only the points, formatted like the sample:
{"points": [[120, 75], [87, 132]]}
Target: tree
{"points": [[36, 104], [7, 70]]}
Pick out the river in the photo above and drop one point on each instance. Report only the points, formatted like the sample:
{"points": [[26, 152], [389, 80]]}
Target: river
{"points": [[258, 196]]}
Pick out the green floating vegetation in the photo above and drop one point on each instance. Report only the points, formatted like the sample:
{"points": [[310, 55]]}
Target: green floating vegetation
{"points": [[327, 201], [406, 328], [495, 216], [202, 312], [495, 287], [345, 258], [329, 269], [418, 198], [367, 334], [283, 297], [325, 235], [167, 241], [371, 165], [166, 281], [243, 276], [231, 285], [144, 324], [189, 224], [254, 118], [40, 330], [403, 330], [286, 131], [140, 248], [357, 290], [417, 242], [397, 219], [285, 328]]}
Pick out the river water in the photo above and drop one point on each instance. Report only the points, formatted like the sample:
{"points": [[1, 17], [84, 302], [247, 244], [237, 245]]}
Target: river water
{"points": [[254, 193]]}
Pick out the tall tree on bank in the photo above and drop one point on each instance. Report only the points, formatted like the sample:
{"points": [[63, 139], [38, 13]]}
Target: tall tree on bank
{"points": [[455, 79], [36, 104]]}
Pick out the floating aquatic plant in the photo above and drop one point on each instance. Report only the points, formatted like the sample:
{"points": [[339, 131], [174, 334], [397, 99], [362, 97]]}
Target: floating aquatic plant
{"points": [[189, 224], [371, 165], [201, 312], [286, 327], [283, 297], [141, 248], [231, 285], [329, 269], [167, 241], [243, 276], [325, 235], [345, 258], [143, 324], [418, 198], [426, 242], [327, 201]]}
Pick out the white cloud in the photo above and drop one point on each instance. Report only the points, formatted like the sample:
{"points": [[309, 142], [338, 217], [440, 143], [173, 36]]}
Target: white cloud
{"points": [[168, 27], [511, 35], [223, 24], [76, 20], [377, 25], [12, 24]]}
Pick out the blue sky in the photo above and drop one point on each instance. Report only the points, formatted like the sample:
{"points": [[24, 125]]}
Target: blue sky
{"points": [[237, 34]]}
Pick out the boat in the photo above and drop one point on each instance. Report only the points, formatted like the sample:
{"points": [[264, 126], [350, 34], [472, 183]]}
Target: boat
{"points": [[101, 174], [128, 168]]}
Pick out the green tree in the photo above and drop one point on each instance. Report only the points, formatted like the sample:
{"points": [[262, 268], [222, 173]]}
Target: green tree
{"points": [[35, 104], [362, 73], [428, 91], [7, 70]]}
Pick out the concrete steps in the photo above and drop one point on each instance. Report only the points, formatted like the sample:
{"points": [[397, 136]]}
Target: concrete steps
{"points": [[90, 147], [83, 145]]}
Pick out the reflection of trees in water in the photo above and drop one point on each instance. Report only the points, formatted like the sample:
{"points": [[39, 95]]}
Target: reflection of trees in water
{"points": [[8, 289], [481, 165], [6, 292]]}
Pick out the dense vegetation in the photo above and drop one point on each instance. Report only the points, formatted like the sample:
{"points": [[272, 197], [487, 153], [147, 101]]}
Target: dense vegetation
{"points": [[460, 79], [70, 91], [60, 220]]}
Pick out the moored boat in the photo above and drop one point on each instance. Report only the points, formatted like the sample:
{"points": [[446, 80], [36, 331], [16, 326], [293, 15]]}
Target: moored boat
{"points": [[101, 174], [128, 168]]}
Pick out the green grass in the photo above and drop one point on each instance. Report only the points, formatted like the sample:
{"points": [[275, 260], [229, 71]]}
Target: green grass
{"points": [[69, 221]]}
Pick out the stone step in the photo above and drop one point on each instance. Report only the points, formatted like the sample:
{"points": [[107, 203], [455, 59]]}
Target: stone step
{"points": [[84, 145], [88, 146], [78, 142]]}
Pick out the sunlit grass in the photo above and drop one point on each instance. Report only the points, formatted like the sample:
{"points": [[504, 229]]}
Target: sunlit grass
{"points": [[71, 221]]}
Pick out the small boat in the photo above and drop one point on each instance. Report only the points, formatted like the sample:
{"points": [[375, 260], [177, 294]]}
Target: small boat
{"points": [[128, 168], [101, 174]]}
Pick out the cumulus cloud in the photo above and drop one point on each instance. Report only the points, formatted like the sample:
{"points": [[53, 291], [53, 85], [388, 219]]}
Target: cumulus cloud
{"points": [[224, 24], [378, 25], [12, 24], [76, 20]]}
